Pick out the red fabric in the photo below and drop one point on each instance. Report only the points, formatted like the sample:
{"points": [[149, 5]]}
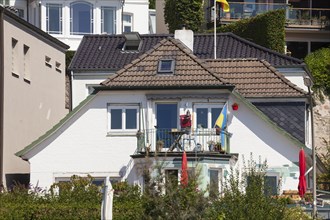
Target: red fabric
{"points": [[302, 179], [184, 168], [185, 121]]}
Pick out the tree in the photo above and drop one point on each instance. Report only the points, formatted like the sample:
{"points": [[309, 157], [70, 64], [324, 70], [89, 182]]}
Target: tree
{"points": [[319, 64], [188, 13]]}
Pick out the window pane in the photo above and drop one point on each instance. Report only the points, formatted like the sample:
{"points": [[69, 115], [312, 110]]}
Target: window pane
{"points": [[298, 49], [127, 18], [54, 16], [81, 18], [270, 185], [131, 118], [165, 65], [127, 29], [108, 18], [202, 117], [215, 114], [214, 182], [116, 119]]}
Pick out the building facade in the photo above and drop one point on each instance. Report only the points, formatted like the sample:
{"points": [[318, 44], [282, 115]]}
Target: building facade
{"points": [[32, 90]]}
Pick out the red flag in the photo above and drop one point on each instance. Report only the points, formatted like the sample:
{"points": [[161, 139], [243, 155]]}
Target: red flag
{"points": [[184, 170], [302, 168]]}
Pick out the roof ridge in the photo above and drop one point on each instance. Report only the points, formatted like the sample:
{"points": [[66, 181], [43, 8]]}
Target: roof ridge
{"points": [[263, 48]]}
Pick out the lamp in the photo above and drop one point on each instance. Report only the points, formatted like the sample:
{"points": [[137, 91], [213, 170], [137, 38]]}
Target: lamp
{"points": [[235, 106], [309, 83]]}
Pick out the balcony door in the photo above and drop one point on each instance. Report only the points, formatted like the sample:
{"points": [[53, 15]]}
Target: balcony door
{"points": [[167, 118]]}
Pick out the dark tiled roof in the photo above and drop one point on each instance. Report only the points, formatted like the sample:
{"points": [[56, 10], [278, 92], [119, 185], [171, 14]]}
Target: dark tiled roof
{"points": [[189, 71], [254, 78], [104, 52], [288, 116]]}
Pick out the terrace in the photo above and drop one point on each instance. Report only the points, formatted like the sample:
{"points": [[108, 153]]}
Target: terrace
{"points": [[296, 17]]}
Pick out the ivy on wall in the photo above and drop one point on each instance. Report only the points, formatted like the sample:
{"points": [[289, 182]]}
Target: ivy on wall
{"points": [[266, 29]]}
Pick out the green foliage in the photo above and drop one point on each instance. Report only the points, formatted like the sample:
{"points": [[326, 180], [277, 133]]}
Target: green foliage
{"points": [[184, 12], [78, 199], [319, 64], [295, 213], [68, 57], [247, 197], [266, 29], [152, 4], [127, 202]]}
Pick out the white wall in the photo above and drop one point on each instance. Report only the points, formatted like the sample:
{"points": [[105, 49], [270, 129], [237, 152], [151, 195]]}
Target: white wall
{"points": [[253, 135], [82, 145]]}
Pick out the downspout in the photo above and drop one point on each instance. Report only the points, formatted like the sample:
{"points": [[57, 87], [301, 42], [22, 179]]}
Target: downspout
{"points": [[1, 93]]}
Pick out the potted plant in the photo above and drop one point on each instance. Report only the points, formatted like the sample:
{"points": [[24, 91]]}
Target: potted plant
{"points": [[159, 145], [211, 144]]}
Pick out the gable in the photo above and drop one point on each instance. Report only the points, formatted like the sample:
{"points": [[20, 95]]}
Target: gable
{"points": [[188, 70]]}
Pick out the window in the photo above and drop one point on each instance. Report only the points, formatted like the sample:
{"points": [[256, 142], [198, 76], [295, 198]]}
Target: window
{"points": [[14, 54], [166, 66], [20, 13], [270, 185], [206, 115], [108, 18], [4, 2], [127, 22], [123, 117], [58, 67], [171, 179], [215, 178], [81, 18], [26, 51], [47, 61], [54, 18]]}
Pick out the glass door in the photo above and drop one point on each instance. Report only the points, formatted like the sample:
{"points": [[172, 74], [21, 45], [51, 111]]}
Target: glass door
{"points": [[167, 118]]}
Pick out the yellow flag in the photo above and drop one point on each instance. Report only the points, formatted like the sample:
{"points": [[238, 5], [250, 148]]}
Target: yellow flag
{"points": [[224, 5]]}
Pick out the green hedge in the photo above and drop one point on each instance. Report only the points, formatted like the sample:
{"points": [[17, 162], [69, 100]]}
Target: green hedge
{"points": [[267, 29]]}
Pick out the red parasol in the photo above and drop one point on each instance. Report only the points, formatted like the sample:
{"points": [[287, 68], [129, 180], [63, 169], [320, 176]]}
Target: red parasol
{"points": [[184, 168], [302, 168]]}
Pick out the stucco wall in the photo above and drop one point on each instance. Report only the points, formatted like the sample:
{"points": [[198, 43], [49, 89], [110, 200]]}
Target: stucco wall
{"points": [[82, 145], [34, 94]]}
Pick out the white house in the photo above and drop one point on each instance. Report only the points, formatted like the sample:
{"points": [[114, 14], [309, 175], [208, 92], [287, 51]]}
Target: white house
{"points": [[69, 20], [135, 119]]}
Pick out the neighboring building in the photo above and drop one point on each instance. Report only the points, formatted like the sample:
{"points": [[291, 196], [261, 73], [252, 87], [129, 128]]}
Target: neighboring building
{"points": [[69, 20], [134, 119], [32, 90], [308, 27]]}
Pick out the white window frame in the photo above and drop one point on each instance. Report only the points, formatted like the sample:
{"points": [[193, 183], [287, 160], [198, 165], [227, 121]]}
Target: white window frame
{"points": [[60, 6], [128, 24], [209, 107], [220, 176], [114, 19], [123, 107]]}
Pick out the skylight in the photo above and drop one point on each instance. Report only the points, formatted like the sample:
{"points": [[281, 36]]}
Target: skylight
{"points": [[166, 66], [132, 42]]}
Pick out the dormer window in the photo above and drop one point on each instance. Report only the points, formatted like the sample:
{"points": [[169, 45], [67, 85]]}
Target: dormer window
{"points": [[133, 41], [166, 66]]}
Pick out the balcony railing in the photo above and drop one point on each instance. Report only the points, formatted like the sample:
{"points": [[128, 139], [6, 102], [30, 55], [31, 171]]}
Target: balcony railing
{"points": [[168, 140], [296, 16]]}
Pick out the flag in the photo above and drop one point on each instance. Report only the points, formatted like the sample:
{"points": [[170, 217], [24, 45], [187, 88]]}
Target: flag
{"points": [[221, 122], [224, 5]]}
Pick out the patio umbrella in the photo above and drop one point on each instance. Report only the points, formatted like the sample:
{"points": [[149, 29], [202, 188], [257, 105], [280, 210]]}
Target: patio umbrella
{"points": [[184, 168], [302, 168]]}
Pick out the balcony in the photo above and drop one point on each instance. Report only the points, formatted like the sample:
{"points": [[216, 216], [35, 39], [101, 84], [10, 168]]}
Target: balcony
{"points": [[296, 17], [177, 140]]}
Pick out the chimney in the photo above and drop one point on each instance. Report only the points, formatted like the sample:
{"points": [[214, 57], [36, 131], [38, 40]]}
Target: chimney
{"points": [[186, 37]]}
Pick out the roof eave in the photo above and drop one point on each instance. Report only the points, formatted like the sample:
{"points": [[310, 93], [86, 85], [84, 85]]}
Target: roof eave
{"points": [[103, 87]]}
